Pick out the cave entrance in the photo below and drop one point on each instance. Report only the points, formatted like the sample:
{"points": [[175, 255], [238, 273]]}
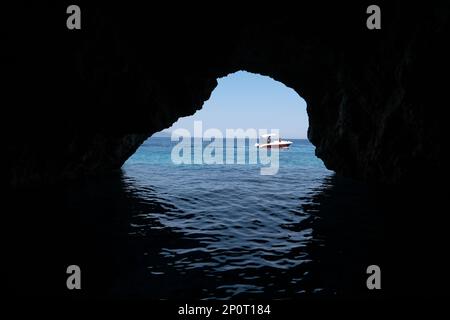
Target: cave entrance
{"points": [[244, 109], [224, 228], [210, 161]]}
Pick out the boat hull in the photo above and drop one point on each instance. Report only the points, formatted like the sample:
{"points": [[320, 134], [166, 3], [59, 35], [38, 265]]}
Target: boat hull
{"points": [[280, 145]]}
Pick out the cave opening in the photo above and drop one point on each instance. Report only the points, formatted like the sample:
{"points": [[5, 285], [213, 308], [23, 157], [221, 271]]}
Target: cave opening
{"points": [[232, 135], [229, 222], [245, 110]]}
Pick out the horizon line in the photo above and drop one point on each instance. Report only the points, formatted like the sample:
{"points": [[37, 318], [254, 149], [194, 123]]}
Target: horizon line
{"points": [[155, 135]]}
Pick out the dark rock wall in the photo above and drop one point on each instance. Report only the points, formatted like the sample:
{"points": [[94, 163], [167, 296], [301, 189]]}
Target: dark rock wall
{"points": [[81, 102]]}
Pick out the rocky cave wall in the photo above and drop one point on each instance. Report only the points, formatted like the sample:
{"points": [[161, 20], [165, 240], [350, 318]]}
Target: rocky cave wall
{"points": [[80, 102]]}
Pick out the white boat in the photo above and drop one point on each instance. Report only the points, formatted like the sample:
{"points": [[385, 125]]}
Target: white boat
{"points": [[282, 144]]}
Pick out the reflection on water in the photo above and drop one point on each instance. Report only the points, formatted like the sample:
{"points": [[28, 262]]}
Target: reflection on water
{"points": [[131, 239]]}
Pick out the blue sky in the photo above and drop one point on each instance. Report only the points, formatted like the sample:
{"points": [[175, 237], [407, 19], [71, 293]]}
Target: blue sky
{"points": [[246, 100]]}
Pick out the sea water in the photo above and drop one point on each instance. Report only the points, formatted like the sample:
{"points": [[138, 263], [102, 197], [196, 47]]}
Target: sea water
{"points": [[164, 231], [235, 232]]}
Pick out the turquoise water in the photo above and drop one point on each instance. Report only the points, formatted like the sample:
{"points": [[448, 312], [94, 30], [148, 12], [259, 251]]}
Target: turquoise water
{"points": [[297, 161]]}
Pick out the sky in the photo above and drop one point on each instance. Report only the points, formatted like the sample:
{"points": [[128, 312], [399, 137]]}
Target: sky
{"points": [[246, 100]]}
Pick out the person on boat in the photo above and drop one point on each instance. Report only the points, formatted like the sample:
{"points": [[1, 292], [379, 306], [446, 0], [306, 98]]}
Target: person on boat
{"points": [[268, 139]]}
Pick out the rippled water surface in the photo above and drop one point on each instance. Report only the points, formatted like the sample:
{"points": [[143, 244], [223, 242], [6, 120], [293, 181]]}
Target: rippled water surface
{"points": [[238, 232], [165, 231]]}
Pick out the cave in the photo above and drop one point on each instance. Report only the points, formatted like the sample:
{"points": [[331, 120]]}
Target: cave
{"points": [[367, 99], [80, 102]]}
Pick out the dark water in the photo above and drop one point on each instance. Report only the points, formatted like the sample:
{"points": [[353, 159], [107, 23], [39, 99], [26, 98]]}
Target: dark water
{"points": [[164, 231]]}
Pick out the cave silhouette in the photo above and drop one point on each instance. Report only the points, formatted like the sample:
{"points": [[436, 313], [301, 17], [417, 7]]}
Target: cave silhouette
{"points": [[80, 102], [117, 89]]}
